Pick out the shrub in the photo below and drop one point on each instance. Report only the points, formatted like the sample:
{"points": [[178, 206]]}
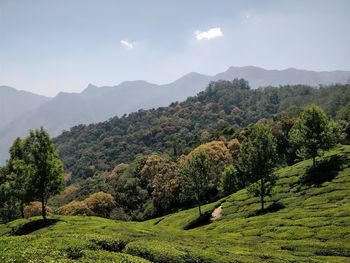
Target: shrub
{"points": [[112, 245], [34, 209], [101, 203], [118, 213], [76, 208], [74, 252]]}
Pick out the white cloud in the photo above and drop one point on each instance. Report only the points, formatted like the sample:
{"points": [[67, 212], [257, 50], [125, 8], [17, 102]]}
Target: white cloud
{"points": [[210, 34], [127, 44]]}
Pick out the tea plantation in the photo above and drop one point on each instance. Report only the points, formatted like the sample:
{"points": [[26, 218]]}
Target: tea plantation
{"points": [[307, 220]]}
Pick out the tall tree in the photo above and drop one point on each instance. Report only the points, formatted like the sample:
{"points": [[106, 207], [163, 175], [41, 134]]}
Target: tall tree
{"points": [[257, 160], [313, 132], [195, 178], [47, 174], [218, 156], [8, 204], [165, 186], [18, 174]]}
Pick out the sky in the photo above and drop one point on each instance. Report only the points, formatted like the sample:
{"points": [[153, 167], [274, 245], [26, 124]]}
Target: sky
{"points": [[48, 46]]}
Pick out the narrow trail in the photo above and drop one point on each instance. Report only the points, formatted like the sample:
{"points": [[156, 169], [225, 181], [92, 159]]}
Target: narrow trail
{"points": [[216, 214]]}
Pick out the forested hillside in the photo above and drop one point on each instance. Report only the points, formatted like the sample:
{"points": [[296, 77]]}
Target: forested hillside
{"points": [[220, 110], [150, 163]]}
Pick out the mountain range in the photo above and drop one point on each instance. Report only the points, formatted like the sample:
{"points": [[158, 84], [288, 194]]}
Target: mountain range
{"points": [[22, 110], [14, 103]]}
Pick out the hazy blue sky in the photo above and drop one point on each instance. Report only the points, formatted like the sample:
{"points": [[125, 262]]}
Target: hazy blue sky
{"points": [[62, 45]]}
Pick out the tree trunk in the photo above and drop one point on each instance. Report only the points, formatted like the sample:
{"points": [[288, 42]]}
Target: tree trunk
{"points": [[43, 210], [22, 209], [262, 193], [314, 161], [199, 209]]}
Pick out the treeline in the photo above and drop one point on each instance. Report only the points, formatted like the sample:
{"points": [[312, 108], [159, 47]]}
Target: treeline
{"points": [[221, 110]]}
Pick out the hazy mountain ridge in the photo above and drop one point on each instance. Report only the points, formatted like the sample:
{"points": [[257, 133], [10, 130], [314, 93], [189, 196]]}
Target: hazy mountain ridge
{"points": [[95, 104], [259, 77], [14, 103]]}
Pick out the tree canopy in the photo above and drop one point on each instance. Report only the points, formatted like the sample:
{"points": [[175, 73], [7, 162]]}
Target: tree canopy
{"points": [[34, 171], [314, 131], [217, 113], [196, 178], [258, 160]]}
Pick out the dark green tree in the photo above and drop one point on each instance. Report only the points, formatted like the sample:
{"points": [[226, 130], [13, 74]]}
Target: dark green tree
{"points": [[280, 130], [47, 169], [258, 159], [231, 180], [8, 204], [314, 131], [195, 178], [18, 174]]}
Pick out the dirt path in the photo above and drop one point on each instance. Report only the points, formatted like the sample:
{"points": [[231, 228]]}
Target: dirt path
{"points": [[216, 214]]}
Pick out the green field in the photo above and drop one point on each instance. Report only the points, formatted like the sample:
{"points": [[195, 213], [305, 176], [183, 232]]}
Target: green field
{"points": [[306, 222]]}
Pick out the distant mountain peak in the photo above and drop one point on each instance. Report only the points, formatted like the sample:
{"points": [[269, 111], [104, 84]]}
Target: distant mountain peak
{"points": [[91, 86], [190, 77], [135, 82]]}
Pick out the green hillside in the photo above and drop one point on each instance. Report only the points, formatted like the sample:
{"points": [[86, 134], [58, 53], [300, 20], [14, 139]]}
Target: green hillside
{"points": [[219, 111], [308, 221]]}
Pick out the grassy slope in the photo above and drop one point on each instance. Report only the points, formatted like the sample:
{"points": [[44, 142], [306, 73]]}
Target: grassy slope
{"points": [[314, 226]]}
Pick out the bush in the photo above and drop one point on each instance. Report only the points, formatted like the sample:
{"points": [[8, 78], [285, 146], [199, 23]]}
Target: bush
{"points": [[118, 213], [101, 203], [34, 209], [74, 252], [76, 208], [112, 245]]}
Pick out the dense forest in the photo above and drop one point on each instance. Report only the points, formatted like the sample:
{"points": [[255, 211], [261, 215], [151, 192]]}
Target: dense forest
{"points": [[158, 161], [219, 112], [139, 158]]}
